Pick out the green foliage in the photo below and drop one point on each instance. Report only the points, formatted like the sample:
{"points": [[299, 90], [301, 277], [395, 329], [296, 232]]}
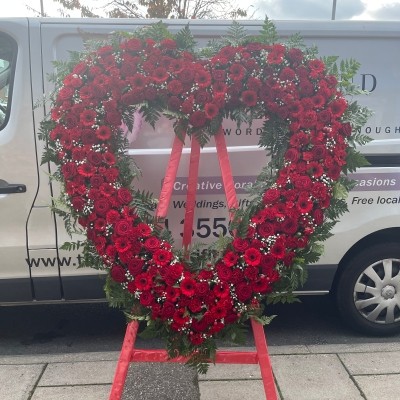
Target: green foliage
{"points": [[72, 246], [144, 204], [185, 39], [264, 319], [157, 32], [269, 34], [354, 160], [151, 113], [236, 35]]}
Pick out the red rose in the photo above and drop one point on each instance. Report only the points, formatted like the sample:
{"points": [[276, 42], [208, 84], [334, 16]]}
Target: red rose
{"points": [[124, 195], [346, 129], [135, 266], [146, 298], [266, 229], [101, 206], [78, 203], [318, 152], [292, 155], [197, 119], [69, 170], [251, 273], [123, 227], [244, 291], [224, 272], [302, 182], [152, 243], [65, 93], [168, 310], [240, 244], [271, 196], [202, 288], [118, 274]]}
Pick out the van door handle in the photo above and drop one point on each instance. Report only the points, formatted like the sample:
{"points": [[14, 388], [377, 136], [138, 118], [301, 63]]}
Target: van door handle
{"points": [[7, 188]]}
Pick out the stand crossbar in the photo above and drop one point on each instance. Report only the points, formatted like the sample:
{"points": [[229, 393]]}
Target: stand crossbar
{"points": [[130, 354]]}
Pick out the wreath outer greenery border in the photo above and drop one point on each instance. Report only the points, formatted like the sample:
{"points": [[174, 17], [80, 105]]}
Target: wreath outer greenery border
{"points": [[310, 130]]}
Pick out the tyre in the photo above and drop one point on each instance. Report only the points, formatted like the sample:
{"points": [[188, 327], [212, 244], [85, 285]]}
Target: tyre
{"points": [[368, 290]]}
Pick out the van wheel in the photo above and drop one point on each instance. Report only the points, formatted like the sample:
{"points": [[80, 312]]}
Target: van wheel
{"points": [[368, 291]]}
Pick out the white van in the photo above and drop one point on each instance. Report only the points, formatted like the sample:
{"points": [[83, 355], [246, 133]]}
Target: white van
{"points": [[361, 264]]}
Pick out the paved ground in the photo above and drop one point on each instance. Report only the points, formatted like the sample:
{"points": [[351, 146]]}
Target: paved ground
{"points": [[314, 372]]}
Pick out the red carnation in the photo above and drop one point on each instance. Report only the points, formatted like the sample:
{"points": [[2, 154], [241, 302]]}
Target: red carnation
{"points": [[143, 229], [249, 98], [160, 75], [252, 257], [304, 204], [175, 87], [203, 78], [109, 158], [237, 72], [122, 244], [162, 257], [230, 258], [88, 117], [278, 249], [143, 281], [188, 287], [211, 110]]}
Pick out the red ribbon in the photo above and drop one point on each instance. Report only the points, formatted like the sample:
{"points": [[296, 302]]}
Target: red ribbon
{"points": [[226, 170], [170, 177], [191, 193]]}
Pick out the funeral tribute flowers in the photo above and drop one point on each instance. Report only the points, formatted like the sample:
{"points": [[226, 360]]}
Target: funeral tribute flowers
{"points": [[310, 130]]}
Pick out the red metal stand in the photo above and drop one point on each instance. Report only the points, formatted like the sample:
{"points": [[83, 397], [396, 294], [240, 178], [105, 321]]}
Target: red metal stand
{"points": [[130, 354]]}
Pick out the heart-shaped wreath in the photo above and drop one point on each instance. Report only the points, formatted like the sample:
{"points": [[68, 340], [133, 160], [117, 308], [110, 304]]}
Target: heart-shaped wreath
{"points": [[191, 297]]}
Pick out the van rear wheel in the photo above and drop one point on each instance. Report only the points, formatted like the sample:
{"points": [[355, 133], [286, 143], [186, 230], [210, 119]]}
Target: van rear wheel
{"points": [[368, 291]]}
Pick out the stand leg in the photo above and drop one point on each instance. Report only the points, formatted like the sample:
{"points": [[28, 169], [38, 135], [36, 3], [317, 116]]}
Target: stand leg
{"points": [[264, 360], [124, 360]]}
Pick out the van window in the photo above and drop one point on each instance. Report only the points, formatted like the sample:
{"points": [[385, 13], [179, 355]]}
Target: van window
{"points": [[8, 53]]}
